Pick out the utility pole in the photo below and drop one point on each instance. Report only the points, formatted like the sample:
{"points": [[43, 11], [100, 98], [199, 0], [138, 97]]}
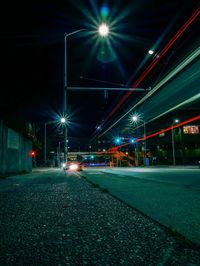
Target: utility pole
{"points": [[65, 98]]}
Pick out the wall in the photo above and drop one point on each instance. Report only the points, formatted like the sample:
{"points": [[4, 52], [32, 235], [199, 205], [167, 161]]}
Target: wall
{"points": [[14, 151]]}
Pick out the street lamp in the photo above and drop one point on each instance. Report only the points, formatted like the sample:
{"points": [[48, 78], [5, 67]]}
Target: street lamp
{"points": [[118, 142], [173, 146], [135, 119], [62, 121], [103, 31]]}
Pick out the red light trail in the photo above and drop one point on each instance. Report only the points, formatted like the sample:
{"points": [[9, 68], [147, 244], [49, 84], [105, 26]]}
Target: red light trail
{"points": [[115, 148], [156, 60], [170, 128]]}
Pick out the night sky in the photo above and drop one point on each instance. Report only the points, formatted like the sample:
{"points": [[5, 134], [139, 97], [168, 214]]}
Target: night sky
{"points": [[32, 58]]}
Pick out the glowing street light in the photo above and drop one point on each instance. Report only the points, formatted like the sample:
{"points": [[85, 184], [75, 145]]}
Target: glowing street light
{"points": [[132, 141], [63, 120], [103, 29], [151, 52], [134, 118], [117, 140]]}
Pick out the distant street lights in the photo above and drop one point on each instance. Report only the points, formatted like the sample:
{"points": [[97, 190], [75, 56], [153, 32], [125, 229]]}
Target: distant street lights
{"points": [[63, 120], [173, 146], [103, 31], [136, 118]]}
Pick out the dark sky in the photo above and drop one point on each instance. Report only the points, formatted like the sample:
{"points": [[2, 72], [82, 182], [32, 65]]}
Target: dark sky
{"points": [[32, 56]]}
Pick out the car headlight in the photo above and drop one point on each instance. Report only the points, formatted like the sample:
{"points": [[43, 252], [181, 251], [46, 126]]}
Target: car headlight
{"points": [[64, 165], [73, 167]]}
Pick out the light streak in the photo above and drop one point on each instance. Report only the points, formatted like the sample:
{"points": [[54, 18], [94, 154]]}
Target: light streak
{"points": [[159, 132], [180, 67], [192, 99], [156, 60], [170, 128]]}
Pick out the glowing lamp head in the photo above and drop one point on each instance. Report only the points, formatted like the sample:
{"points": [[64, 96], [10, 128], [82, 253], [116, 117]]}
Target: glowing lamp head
{"points": [[150, 51], [117, 140], [132, 141], [103, 30], [63, 120], [134, 118]]}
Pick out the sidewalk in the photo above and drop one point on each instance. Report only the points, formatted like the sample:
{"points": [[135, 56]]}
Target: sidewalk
{"points": [[57, 219]]}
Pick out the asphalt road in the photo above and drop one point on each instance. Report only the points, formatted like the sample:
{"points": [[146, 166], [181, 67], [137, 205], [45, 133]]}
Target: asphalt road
{"points": [[51, 217], [170, 196]]}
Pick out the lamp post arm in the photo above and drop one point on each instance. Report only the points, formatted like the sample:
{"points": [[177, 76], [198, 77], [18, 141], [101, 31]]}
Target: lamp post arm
{"points": [[73, 32]]}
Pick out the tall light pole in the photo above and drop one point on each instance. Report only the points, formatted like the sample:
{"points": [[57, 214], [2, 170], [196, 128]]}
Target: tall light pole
{"points": [[135, 119], [173, 146], [66, 35], [118, 142], [62, 121], [103, 31]]}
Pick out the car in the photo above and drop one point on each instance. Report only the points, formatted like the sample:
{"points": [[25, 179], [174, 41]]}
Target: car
{"points": [[72, 166]]}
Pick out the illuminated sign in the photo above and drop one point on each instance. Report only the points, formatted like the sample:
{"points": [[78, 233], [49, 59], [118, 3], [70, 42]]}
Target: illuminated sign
{"points": [[191, 129], [162, 134]]}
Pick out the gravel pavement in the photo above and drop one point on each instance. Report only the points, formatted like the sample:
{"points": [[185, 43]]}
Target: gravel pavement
{"points": [[54, 218]]}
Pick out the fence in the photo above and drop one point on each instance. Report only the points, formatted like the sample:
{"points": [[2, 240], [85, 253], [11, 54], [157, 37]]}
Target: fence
{"points": [[14, 151]]}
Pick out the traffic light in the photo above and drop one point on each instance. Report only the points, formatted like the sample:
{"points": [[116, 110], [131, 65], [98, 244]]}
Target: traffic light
{"points": [[91, 156], [32, 153], [117, 140]]}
